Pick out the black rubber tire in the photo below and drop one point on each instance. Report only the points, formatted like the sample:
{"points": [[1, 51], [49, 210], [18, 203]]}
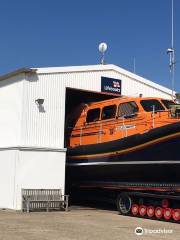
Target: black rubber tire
{"points": [[124, 203]]}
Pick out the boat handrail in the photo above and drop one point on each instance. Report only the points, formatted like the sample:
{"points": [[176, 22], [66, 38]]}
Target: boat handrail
{"points": [[122, 118]]}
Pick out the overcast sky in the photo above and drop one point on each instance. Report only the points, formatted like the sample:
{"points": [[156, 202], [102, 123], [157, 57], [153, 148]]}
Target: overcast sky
{"points": [[67, 32]]}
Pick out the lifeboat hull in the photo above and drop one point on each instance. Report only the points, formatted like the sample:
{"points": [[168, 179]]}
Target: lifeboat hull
{"points": [[152, 157]]}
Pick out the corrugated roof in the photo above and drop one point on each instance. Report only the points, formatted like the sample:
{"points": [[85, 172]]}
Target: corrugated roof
{"points": [[88, 68]]}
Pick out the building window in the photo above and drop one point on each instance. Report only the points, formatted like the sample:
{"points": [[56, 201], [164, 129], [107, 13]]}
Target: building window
{"points": [[128, 109], [149, 104], [109, 112], [93, 115]]}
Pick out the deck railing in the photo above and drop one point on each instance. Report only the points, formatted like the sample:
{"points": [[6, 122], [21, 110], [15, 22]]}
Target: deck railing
{"points": [[122, 123]]}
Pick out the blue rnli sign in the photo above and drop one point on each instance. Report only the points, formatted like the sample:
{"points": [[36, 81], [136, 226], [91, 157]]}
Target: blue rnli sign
{"points": [[110, 85]]}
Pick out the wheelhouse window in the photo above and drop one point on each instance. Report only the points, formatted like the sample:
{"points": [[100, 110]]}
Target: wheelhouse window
{"points": [[149, 104], [128, 109], [167, 103], [93, 115], [109, 112]]}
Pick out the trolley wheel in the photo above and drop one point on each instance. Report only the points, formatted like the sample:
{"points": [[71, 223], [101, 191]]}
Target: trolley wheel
{"points": [[158, 212], [142, 210], [150, 211], [167, 213], [135, 209], [124, 203], [176, 214]]}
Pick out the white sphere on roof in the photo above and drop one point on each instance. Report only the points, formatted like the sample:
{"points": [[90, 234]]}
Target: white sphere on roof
{"points": [[102, 47]]}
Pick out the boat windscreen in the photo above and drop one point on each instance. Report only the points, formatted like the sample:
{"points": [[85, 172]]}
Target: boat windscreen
{"points": [[127, 109], [108, 112], [149, 104], [93, 115], [167, 103]]}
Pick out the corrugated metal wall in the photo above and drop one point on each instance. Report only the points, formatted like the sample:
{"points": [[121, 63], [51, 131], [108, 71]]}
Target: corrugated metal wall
{"points": [[11, 91], [45, 127]]}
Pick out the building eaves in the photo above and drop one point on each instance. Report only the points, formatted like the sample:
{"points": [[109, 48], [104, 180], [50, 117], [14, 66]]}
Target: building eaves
{"points": [[17, 72]]}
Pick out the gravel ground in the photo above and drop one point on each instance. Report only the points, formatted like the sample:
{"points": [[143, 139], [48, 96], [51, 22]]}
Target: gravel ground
{"points": [[80, 223]]}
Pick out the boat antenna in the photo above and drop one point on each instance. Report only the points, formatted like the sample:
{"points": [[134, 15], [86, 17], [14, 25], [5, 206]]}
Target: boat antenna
{"points": [[171, 51], [102, 49], [134, 65]]}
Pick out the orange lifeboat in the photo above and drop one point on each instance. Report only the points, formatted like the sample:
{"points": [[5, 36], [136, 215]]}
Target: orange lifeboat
{"points": [[125, 139]]}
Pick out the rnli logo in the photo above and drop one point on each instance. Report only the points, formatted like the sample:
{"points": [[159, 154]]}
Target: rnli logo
{"points": [[116, 84], [110, 85]]}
